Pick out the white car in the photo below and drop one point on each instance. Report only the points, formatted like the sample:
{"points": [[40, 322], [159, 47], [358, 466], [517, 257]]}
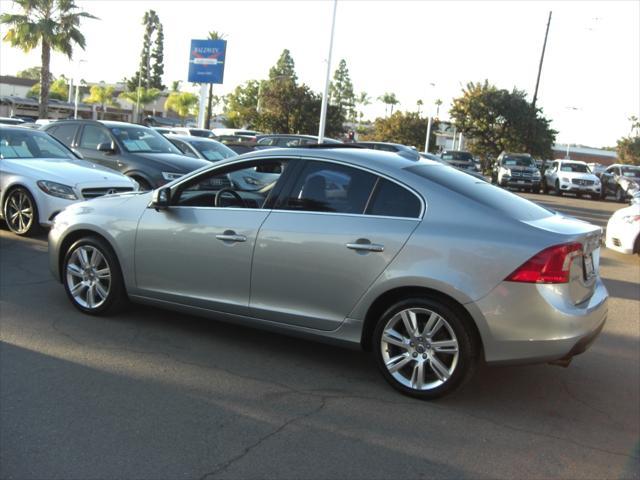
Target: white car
{"points": [[571, 176], [623, 228], [39, 177]]}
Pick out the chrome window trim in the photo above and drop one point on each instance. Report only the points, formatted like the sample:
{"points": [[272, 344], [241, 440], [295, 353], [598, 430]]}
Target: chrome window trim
{"points": [[423, 203]]}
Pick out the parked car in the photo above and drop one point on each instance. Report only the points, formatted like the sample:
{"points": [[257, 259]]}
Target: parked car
{"points": [[11, 121], [402, 150], [196, 132], [162, 130], [351, 246], [235, 131], [596, 168], [198, 147], [623, 228], [39, 177], [459, 159], [620, 180], [136, 151], [240, 148], [571, 176], [517, 170], [288, 140], [436, 158]]}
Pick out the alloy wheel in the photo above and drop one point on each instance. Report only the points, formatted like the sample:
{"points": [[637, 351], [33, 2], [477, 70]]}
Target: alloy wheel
{"points": [[19, 212], [88, 277], [419, 349]]}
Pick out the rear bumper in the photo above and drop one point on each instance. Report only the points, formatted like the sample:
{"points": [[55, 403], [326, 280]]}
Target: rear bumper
{"points": [[525, 323]]}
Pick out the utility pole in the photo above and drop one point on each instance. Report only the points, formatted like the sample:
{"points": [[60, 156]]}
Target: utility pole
{"points": [[544, 46]]}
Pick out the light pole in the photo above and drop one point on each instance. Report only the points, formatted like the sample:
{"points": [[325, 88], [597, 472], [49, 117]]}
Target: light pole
{"points": [[426, 142], [323, 109], [77, 82]]}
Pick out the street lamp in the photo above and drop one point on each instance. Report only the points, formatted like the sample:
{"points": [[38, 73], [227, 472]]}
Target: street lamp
{"points": [[426, 142], [77, 82]]}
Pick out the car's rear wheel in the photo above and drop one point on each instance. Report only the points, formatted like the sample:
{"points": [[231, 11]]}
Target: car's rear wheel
{"points": [[21, 212], [424, 348], [92, 277]]}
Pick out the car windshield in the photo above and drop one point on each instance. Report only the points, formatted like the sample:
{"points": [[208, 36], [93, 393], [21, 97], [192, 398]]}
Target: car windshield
{"points": [[517, 161], [633, 172], [458, 156], [30, 144], [143, 140], [574, 167], [213, 151]]}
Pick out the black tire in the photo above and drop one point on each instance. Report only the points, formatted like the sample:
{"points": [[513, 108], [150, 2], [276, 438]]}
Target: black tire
{"points": [[115, 298], [620, 195], [144, 185], [21, 212], [460, 366], [578, 195], [557, 190]]}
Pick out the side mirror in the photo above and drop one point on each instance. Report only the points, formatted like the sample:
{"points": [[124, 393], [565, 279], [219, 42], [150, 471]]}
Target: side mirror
{"points": [[106, 147], [161, 198]]}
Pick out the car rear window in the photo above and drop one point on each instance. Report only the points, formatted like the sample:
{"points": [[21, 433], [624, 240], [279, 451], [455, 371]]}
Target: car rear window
{"points": [[481, 192], [458, 156]]}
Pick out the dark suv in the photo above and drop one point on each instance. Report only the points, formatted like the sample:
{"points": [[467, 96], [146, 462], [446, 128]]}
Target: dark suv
{"points": [[136, 151]]}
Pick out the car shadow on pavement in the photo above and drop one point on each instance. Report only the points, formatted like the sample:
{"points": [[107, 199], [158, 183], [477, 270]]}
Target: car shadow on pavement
{"points": [[623, 289]]}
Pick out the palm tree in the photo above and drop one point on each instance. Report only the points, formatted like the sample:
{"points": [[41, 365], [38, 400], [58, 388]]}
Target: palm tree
{"points": [[213, 35], [362, 99], [183, 103], [388, 99], [52, 24], [142, 96], [438, 102], [419, 103], [102, 96]]}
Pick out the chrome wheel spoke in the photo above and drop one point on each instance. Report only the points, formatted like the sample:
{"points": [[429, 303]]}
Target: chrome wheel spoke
{"points": [[394, 338], [417, 376], [410, 322], [396, 363], [445, 346], [100, 290], [91, 296], [74, 270], [104, 274], [83, 256], [430, 332], [77, 288], [439, 369]]}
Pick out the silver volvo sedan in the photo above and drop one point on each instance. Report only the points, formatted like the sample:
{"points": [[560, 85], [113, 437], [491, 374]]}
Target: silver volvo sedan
{"points": [[428, 268]]}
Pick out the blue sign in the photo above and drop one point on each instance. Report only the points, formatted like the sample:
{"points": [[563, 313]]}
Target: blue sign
{"points": [[206, 61]]}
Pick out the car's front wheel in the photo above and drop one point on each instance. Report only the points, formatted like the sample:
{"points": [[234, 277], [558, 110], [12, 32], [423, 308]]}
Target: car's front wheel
{"points": [[424, 348], [92, 277], [21, 212]]}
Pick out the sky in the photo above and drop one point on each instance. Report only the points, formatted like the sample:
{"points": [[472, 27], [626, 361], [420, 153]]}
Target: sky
{"points": [[419, 50]]}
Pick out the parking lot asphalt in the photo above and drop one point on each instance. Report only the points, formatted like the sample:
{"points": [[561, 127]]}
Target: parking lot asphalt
{"points": [[155, 394]]}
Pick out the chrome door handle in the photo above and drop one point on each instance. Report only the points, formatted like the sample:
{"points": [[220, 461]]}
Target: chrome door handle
{"points": [[367, 247], [231, 237]]}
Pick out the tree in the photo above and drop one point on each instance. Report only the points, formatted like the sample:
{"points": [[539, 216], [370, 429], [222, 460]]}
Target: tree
{"points": [[101, 95], [241, 106], [284, 67], [142, 96], [52, 24], [437, 103], [213, 35], [148, 75], [628, 148], [496, 120], [341, 91], [362, 100], [32, 73], [419, 104], [388, 99], [407, 128], [183, 103], [58, 90]]}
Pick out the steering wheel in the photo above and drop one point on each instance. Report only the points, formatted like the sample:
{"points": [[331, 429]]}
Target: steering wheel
{"points": [[222, 191]]}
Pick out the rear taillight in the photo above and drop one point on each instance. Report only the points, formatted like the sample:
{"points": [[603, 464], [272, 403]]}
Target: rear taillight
{"points": [[551, 265]]}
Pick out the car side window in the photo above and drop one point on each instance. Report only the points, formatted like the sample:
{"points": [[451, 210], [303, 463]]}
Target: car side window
{"points": [[391, 200], [245, 185], [330, 187], [64, 133], [92, 136]]}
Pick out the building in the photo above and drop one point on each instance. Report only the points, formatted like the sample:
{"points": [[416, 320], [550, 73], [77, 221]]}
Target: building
{"points": [[584, 154]]}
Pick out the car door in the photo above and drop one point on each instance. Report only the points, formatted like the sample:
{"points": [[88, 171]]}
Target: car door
{"points": [[198, 252], [333, 231], [87, 144]]}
